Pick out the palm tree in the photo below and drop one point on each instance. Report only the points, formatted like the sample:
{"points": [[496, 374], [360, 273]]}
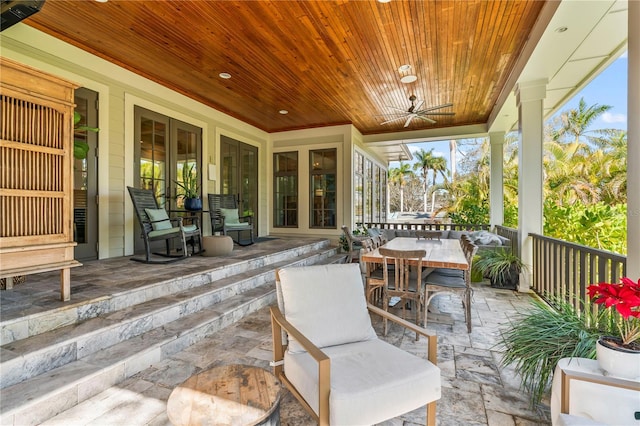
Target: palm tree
{"points": [[424, 163], [574, 124], [439, 165], [397, 176]]}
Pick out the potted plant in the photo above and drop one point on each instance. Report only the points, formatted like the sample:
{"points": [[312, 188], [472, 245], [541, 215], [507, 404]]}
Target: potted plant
{"points": [[190, 188], [536, 339], [619, 355], [80, 147], [501, 267]]}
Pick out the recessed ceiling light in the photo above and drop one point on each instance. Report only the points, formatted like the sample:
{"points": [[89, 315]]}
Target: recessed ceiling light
{"points": [[384, 1], [404, 68], [283, 111], [225, 75], [102, 1], [561, 29], [409, 78]]}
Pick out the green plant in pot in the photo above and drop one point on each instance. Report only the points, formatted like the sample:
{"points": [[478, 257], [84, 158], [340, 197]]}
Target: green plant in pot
{"points": [[80, 147], [190, 190], [536, 339], [501, 267]]}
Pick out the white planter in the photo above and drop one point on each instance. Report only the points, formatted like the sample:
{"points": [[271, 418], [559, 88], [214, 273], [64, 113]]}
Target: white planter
{"points": [[618, 362]]}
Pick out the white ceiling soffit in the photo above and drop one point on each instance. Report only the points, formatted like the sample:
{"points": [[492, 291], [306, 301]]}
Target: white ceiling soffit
{"points": [[596, 35]]}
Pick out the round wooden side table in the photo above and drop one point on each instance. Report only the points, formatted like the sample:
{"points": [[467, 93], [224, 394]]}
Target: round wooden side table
{"points": [[227, 395]]}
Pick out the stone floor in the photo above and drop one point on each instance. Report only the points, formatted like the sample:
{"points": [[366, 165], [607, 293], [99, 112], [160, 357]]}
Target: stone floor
{"points": [[476, 390]]}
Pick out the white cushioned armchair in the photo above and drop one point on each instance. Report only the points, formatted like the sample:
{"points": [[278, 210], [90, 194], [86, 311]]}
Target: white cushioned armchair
{"points": [[334, 363]]}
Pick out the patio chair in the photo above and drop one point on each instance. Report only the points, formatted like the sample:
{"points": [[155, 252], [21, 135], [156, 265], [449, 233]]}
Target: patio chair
{"points": [[582, 394], [373, 276], [225, 218], [402, 272], [451, 281], [354, 242], [156, 225], [334, 363]]}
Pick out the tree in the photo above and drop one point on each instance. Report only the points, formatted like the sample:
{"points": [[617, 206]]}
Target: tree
{"points": [[398, 177], [424, 163]]}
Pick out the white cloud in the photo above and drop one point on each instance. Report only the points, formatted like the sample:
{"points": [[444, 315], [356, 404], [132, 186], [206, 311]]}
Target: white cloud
{"points": [[440, 154], [608, 117]]}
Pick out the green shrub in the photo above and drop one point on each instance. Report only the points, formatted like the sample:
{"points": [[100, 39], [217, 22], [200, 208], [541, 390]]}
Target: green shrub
{"points": [[538, 338]]}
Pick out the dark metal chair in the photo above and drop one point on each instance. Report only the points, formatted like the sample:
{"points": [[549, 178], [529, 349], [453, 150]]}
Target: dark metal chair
{"points": [[157, 226], [225, 217]]}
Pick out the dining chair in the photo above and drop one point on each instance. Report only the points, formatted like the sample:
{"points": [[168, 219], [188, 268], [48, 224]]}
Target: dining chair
{"points": [[326, 352], [440, 281], [354, 243], [373, 276], [401, 282]]}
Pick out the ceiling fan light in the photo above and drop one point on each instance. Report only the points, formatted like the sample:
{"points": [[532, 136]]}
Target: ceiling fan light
{"points": [[404, 68], [409, 78]]}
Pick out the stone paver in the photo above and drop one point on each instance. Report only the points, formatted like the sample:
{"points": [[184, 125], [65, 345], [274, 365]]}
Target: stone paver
{"points": [[476, 390]]}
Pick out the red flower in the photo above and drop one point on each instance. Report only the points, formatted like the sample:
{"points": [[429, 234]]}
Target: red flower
{"points": [[626, 299]]}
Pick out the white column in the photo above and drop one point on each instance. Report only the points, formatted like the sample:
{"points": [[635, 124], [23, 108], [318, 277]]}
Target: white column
{"points": [[633, 144], [496, 194], [529, 98]]}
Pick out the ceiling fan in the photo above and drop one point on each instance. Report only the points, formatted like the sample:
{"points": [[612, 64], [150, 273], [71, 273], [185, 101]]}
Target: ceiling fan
{"points": [[414, 111]]}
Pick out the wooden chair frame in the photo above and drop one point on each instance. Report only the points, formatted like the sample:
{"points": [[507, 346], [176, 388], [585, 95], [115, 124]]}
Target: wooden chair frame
{"points": [[431, 290], [145, 199], [280, 324], [401, 262]]}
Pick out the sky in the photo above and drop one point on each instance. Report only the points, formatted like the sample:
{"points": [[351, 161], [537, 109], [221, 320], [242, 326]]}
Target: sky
{"points": [[608, 88]]}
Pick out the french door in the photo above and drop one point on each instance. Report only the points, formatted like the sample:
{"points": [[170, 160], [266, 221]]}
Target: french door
{"points": [[165, 148], [85, 178], [239, 174]]}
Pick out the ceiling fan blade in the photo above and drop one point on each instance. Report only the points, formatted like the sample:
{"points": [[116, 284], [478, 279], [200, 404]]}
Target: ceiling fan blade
{"points": [[393, 119], [436, 107], [427, 119], [418, 105], [396, 108], [436, 113], [411, 117]]}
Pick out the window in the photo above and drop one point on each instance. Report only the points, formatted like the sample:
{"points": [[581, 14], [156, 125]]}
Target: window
{"points": [[323, 167], [285, 191], [369, 191], [358, 185], [368, 203]]}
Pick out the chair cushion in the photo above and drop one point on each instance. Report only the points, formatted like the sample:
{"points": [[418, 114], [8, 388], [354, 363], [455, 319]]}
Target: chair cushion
{"points": [[445, 280], [371, 381], [449, 272], [456, 235], [230, 216], [338, 290], [159, 218]]}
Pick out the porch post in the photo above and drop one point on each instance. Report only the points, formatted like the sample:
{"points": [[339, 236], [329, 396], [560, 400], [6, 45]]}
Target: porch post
{"points": [[496, 194], [529, 98], [633, 143]]}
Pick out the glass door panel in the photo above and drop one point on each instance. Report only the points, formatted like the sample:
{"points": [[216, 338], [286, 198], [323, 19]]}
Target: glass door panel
{"points": [[85, 178], [239, 174]]}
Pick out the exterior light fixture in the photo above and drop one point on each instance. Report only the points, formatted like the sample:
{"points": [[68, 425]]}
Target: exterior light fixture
{"points": [[409, 78], [405, 74], [283, 112], [224, 75]]}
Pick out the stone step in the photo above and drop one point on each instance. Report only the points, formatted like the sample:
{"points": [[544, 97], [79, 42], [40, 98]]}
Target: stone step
{"points": [[138, 291], [43, 396], [175, 327], [35, 355]]}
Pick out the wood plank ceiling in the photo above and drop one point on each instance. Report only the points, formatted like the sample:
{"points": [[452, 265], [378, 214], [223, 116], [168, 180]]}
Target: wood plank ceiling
{"points": [[326, 62]]}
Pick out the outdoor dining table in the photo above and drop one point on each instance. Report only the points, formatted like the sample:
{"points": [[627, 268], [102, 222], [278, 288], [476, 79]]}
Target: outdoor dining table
{"points": [[445, 253]]}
